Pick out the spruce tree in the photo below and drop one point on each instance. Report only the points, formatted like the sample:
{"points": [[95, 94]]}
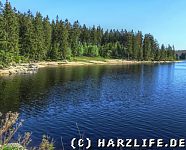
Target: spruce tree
{"points": [[75, 33], [64, 48], [11, 28], [162, 52], [94, 39], [129, 44], [156, 51], [2, 29], [40, 52], [147, 47], [47, 30], [68, 27], [139, 38], [84, 36], [26, 35], [53, 54], [99, 35], [135, 47]]}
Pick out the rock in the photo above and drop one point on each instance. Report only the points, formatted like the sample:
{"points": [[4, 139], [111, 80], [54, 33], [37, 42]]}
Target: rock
{"points": [[63, 62], [66, 61], [25, 68], [12, 71], [32, 66]]}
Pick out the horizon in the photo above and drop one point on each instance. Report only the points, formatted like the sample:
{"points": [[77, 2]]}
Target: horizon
{"points": [[165, 23]]}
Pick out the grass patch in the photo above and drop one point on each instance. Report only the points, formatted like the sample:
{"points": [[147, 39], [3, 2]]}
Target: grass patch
{"points": [[88, 59]]}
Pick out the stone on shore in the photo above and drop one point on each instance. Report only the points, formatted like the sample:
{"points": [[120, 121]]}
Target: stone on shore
{"points": [[20, 69]]}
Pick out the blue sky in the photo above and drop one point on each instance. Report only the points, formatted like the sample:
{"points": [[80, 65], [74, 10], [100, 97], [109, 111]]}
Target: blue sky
{"points": [[165, 19]]}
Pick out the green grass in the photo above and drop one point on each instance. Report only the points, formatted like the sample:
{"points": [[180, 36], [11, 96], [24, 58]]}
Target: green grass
{"points": [[87, 59]]}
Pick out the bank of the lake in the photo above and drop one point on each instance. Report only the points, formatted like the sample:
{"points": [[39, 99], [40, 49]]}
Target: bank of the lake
{"points": [[32, 67]]}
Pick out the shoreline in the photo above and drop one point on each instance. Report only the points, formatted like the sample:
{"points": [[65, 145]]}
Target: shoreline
{"points": [[29, 68]]}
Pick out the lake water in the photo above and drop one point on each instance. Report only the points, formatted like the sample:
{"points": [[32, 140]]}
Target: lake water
{"points": [[129, 101]]}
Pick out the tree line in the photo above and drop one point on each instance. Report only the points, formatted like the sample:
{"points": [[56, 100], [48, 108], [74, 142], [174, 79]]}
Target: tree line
{"points": [[34, 37]]}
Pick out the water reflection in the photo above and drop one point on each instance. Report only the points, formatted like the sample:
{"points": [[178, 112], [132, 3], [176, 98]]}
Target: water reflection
{"points": [[137, 101]]}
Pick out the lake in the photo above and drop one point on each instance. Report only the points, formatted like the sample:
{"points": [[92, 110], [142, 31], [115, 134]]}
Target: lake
{"points": [[105, 101]]}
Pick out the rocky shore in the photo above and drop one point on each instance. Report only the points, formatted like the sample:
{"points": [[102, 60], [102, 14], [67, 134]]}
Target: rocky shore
{"points": [[20, 69], [30, 68]]}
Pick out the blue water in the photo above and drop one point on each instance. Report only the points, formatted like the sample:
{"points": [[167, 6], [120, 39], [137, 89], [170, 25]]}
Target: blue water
{"points": [[129, 101]]}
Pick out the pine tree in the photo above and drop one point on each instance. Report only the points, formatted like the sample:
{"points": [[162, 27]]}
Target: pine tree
{"points": [[170, 53], [11, 26], [64, 48], [129, 47], [85, 36], [94, 39], [135, 47], [99, 35], [68, 27], [47, 29], [139, 38], [105, 38], [157, 51], [53, 54], [75, 34], [163, 53], [147, 47], [26, 35], [40, 53], [2, 29]]}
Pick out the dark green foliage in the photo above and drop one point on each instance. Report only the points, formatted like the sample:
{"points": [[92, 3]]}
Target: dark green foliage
{"points": [[47, 29], [53, 53], [129, 46], [39, 41], [75, 34], [10, 29], [92, 51], [81, 50], [2, 28], [63, 40], [183, 56], [26, 35], [106, 50], [147, 47], [157, 54], [139, 45], [36, 38], [10, 58]]}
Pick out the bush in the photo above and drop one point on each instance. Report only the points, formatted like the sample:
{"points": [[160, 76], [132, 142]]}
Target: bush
{"points": [[68, 53], [9, 125], [92, 51], [80, 50], [7, 58]]}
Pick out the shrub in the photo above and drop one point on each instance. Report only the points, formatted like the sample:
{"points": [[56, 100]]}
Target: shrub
{"points": [[80, 50], [7, 58], [9, 125], [68, 54], [92, 50]]}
